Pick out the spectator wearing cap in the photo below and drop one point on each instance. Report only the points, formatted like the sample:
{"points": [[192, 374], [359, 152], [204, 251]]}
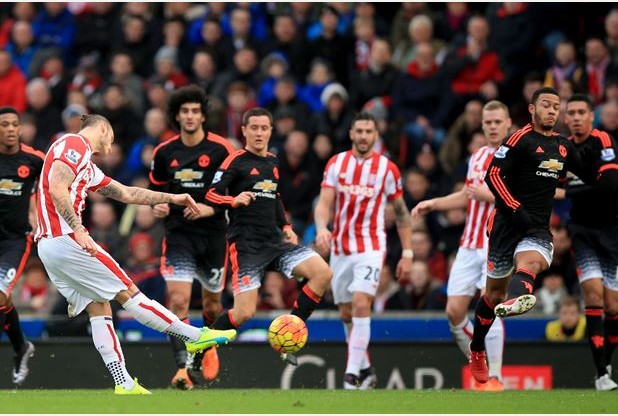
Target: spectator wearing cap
{"points": [[335, 120], [330, 44]]}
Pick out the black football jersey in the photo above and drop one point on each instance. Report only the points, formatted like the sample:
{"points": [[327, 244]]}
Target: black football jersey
{"points": [[525, 171], [243, 171], [19, 173], [593, 205], [177, 168]]}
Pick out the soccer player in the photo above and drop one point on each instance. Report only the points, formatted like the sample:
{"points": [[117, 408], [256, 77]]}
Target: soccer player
{"points": [[20, 167], [194, 245], [470, 266], [358, 184], [85, 274], [594, 230], [523, 176], [259, 235]]}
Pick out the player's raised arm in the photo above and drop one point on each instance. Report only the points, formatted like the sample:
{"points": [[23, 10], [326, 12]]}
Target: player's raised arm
{"points": [[136, 195]]}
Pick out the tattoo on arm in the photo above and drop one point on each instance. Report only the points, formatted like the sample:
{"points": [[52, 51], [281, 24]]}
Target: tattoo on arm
{"points": [[401, 213], [133, 194], [60, 183]]}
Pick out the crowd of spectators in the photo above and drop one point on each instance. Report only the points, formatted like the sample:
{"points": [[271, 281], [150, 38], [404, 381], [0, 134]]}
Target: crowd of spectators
{"points": [[423, 69]]}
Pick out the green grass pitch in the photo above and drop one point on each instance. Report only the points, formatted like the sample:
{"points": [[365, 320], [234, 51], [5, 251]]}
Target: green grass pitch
{"points": [[309, 401]]}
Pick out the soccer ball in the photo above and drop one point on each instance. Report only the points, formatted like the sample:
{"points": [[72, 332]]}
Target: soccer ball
{"points": [[287, 334]]}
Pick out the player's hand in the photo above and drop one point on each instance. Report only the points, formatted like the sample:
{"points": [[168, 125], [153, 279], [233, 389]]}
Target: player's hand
{"points": [[205, 212], [186, 200], [404, 269], [243, 199], [322, 240], [479, 193], [85, 241], [560, 193], [161, 210], [422, 208], [289, 236]]}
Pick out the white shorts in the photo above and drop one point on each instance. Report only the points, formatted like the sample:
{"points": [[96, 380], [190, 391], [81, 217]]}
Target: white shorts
{"points": [[468, 273], [355, 273], [79, 277]]}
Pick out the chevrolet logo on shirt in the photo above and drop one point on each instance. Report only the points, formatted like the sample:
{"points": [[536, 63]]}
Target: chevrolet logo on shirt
{"points": [[188, 175], [8, 187], [551, 165], [266, 185]]}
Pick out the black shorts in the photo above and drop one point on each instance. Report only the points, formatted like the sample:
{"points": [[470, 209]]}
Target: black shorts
{"points": [[248, 260], [13, 257], [188, 256], [596, 253], [505, 241]]}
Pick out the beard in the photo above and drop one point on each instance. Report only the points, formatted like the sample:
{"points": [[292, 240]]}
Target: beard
{"points": [[543, 126]]}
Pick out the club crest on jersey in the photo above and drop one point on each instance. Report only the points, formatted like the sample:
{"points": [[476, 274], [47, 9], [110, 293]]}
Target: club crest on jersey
{"points": [[23, 171], [203, 161], [73, 156], [217, 177], [501, 152], [607, 155], [562, 150]]}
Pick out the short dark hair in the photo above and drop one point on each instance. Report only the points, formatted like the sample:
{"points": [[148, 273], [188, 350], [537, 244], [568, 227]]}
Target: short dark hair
{"points": [[585, 98], [92, 120], [364, 116], [188, 94], [9, 110], [543, 90], [256, 112]]}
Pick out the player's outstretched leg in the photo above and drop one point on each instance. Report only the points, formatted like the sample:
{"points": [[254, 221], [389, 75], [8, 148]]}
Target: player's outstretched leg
{"points": [[152, 314], [520, 298]]}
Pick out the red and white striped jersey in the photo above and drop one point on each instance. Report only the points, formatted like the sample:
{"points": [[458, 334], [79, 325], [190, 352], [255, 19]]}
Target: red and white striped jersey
{"points": [[363, 187], [73, 150], [474, 235]]}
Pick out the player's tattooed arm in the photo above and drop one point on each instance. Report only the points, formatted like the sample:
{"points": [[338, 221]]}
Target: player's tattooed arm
{"points": [[133, 194], [142, 196], [402, 215], [61, 180]]}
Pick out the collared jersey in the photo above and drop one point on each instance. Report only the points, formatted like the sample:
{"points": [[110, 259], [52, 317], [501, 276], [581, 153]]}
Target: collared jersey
{"points": [[591, 207], [18, 175], [74, 151], [244, 171], [526, 170], [362, 189], [177, 169]]}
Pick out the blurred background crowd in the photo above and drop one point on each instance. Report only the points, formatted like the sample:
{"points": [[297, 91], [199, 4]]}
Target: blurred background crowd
{"points": [[424, 70]]}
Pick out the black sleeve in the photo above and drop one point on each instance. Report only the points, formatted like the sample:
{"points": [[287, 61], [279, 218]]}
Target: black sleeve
{"points": [[217, 193], [501, 168], [158, 173]]}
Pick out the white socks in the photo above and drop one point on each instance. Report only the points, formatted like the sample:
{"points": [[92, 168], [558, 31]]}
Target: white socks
{"points": [[107, 344], [347, 328], [494, 346], [154, 315], [462, 332], [358, 342]]}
